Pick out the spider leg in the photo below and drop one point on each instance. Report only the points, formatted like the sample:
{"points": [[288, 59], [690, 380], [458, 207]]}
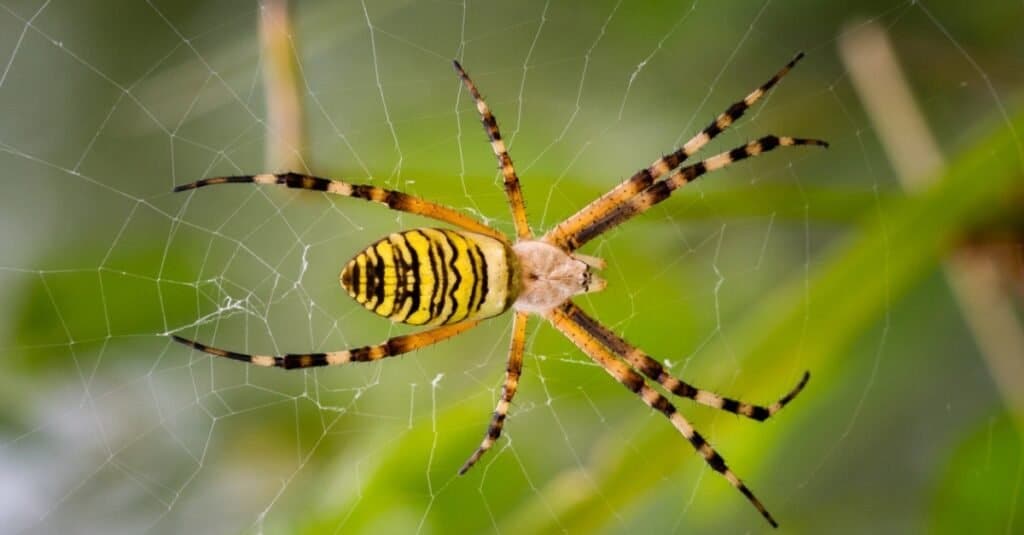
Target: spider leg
{"points": [[606, 203], [655, 193], [567, 319], [395, 200], [390, 348], [508, 171], [646, 365], [512, 372]]}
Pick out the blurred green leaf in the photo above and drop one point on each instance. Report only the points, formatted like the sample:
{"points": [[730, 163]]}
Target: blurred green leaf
{"points": [[980, 489], [787, 202], [892, 250]]}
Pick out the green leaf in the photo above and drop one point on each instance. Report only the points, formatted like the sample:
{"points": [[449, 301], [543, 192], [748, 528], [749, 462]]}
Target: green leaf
{"points": [[812, 325], [806, 321], [980, 489]]}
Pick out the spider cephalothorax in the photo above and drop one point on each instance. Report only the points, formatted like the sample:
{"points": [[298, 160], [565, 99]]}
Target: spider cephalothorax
{"points": [[451, 279], [550, 276]]}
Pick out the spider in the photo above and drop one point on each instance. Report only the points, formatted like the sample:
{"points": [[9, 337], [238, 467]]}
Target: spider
{"points": [[452, 279]]}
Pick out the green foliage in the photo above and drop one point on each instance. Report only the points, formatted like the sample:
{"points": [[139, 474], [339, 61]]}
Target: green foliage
{"points": [[979, 489], [797, 260], [899, 242]]}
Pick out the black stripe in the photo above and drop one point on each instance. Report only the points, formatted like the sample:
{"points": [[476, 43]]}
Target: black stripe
{"points": [[401, 272], [476, 296], [365, 192], [644, 177], [633, 382], [398, 345], [663, 406], [301, 360], [697, 440], [216, 180], [378, 275], [474, 276], [736, 110], [367, 274], [484, 277], [437, 301], [360, 354], [494, 430], [398, 200], [372, 270], [212, 350], [648, 366], [685, 390], [584, 321], [399, 266], [730, 405], [695, 170], [716, 462], [656, 193], [357, 276], [651, 368], [415, 293], [455, 271], [295, 180], [439, 279], [738, 154], [713, 130], [346, 276]]}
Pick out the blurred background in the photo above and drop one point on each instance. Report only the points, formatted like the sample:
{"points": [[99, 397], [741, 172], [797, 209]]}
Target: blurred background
{"points": [[891, 265]]}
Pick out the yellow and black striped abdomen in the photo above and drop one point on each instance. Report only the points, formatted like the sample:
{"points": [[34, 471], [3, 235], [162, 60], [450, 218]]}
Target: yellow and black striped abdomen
{"points": [[433, 276]]}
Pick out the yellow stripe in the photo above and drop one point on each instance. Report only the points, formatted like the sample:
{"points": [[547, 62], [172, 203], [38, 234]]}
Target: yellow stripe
{"points": [[387, 257], [403, 265], [361, 290], [445, 276], [464, 292], [431, 277], [371, 262], [420, 245]]}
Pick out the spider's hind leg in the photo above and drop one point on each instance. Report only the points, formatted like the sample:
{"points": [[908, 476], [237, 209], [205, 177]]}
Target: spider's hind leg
{"points": [[571, 323], [651, 368], [513, 370]]}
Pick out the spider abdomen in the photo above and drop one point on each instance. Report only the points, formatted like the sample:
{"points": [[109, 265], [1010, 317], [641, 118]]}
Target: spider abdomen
{"points": [[430, 276]]}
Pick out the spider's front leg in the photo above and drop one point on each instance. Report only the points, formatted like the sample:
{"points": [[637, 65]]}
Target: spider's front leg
{"points": [[393, 347], [512, 189], [565, 233]]}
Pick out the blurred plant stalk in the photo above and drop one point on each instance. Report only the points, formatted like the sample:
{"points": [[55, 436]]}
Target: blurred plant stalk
{"points": [[285, 136], [973, 273]]}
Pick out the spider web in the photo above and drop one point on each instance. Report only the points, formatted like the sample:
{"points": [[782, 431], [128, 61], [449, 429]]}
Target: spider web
{"points": [[111, 427]]}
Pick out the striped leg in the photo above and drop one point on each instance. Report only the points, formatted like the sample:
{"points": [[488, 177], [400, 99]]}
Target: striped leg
{"points": [[645, 177], [395, 200], [568, 320], [512, 372], [646, 365], [508, 171], [660, 191], [392, 347]]}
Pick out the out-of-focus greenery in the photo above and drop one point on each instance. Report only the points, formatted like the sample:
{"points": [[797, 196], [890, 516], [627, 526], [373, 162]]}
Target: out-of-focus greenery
{"points": [[802, 259]]}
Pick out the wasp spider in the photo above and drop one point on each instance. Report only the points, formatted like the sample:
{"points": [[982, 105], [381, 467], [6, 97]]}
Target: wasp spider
{"points": [[452, 279]]}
